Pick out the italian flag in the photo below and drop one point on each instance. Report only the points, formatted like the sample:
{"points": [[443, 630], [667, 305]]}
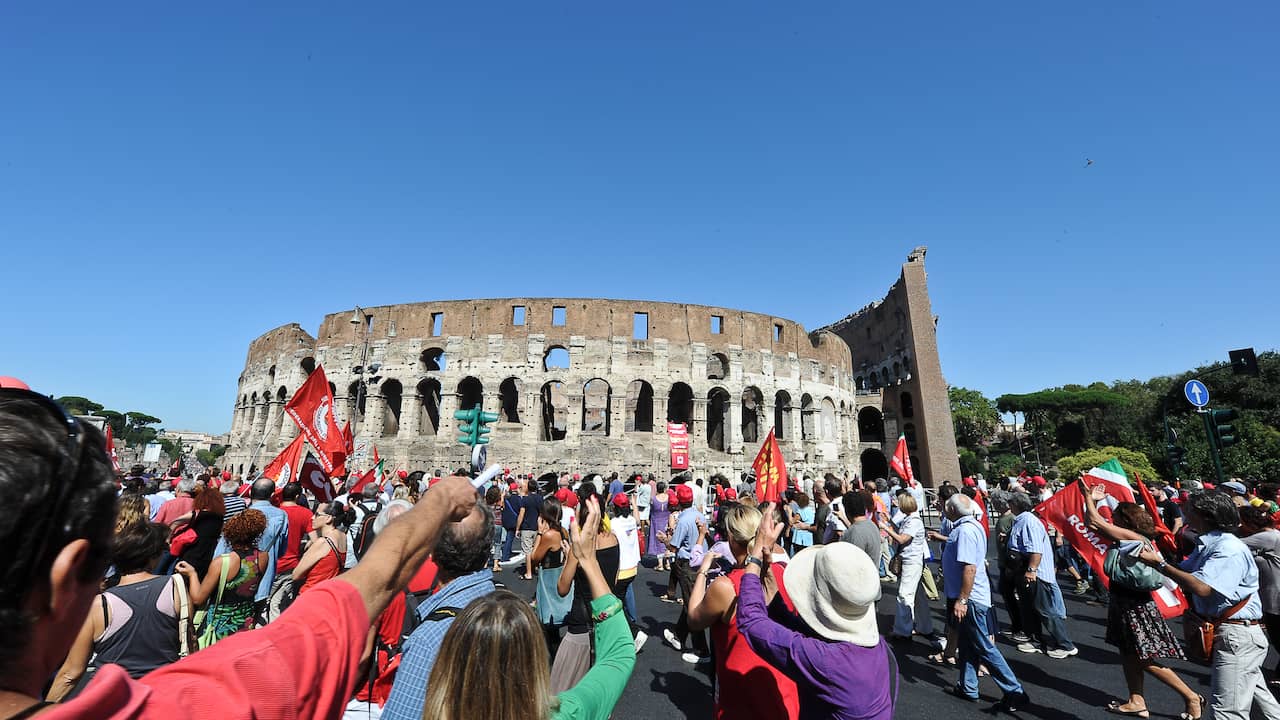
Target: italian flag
{"points": [[1111, 476]]}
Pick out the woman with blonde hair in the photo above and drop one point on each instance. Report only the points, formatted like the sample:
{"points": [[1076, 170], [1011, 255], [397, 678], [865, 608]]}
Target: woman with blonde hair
{"points": [[913, 607], [746, 686], [497, 637]]}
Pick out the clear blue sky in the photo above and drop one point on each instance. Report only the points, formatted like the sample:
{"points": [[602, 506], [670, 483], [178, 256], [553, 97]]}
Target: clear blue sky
{"points": [[178, 178]]}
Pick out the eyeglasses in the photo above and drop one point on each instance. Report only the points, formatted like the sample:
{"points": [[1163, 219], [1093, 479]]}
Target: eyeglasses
{"points": [[68, 466]]}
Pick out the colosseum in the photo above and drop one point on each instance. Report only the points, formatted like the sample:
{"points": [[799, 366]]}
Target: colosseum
{"points": [[589, 385]]}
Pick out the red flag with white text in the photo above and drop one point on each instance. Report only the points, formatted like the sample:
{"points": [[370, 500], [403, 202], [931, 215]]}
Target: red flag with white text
{"points": [[771, 470], [312, 409], [316, 479], [678, 433], [901, 462], [286, 465], [111, 449]]}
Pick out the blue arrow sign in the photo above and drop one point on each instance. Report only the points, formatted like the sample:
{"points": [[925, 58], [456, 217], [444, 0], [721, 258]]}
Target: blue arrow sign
{"points": [[1197, 394]]}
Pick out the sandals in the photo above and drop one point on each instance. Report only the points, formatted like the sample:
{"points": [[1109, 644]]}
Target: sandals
{"points": [[1114, 708], [939, 659], [1189, 716]]}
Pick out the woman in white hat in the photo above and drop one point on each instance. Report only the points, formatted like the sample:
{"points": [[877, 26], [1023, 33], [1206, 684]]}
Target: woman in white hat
{"points": [[834, 588]]}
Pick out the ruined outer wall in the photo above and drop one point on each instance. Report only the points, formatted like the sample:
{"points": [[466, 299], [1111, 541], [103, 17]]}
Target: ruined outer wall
{"points": [[894, 348], [479, 340]]}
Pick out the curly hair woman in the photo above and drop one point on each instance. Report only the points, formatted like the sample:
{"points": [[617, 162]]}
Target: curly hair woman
{"points": [[233, 578]]}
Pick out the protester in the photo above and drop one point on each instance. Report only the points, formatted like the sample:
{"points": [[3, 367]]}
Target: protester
{"points": [[1221, 580], [510, 514], [1134, 623], [549, 558], [863, 531], [834, 589], [803, 516], [968, 593], [134, 624], [624, 528], [365, 503], [1263, 539], [231, 499], [1042, 605], [327, 554], [913, 607], [493, 498], [496, 637], [573, 656], [233, 579], [644, 499], [273, 539], [462, 559], [690, 532], [180, 505], [527, 521], [746, 685], [659, 514]]}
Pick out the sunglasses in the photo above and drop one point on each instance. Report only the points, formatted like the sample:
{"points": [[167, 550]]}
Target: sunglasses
{"points": [[68, 466]]}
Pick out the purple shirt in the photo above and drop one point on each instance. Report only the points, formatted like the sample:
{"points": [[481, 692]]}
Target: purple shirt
{"points": [[817, 666]]}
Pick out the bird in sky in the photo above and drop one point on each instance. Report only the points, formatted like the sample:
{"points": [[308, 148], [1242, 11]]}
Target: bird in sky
{"points": [[1087, 162]]}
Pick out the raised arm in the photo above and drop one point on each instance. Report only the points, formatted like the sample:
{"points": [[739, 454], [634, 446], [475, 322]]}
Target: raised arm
{"points": [[1099, 523], [773, 642]]}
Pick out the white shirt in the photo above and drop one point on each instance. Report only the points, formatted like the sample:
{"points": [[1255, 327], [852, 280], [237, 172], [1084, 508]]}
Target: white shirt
{"points": [[567, 516], [624, 528], [699, 497]]}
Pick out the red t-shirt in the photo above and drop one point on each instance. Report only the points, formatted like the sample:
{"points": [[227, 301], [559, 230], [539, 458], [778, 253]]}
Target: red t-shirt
{"points": [[299, 525], [173, 509], [303, 665]]}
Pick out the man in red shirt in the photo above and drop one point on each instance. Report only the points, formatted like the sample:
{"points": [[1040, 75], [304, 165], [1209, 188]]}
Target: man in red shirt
{"points": [[180, 505], [304, 665], [299, 525]]}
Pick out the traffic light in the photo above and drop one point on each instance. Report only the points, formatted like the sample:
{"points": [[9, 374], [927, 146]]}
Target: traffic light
{"points": [[474, 429], [1177, 457], [482, 427], [1224, 433]]}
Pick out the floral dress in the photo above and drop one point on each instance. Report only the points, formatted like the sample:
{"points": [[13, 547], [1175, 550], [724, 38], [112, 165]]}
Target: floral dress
{"points": [[1136, 627], [235, 612]]}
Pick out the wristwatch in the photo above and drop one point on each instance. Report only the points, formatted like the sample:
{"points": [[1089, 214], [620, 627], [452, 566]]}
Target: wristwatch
{"points": [[963, 601], [752, 560]]}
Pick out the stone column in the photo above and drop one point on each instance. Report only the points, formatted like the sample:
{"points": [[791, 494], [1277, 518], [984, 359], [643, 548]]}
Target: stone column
{"points": [[766, 420], [733, 433], [698, 432], [410, 414], [573, 419], [448, 405], [375, 411], [340, 409]]}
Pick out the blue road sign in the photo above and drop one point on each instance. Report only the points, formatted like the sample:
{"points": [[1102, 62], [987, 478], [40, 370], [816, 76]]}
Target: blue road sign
{"points": [[1197, 394]]}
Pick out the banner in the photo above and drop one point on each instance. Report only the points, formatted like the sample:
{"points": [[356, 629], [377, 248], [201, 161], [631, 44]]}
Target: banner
{"points": [[770, 470], [111, 449], [285, 467], [679, 435], [901, 462], [312, 409], [151, 453], [316, 479]]}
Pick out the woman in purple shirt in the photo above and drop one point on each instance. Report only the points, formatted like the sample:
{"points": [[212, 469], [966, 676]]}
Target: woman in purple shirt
{"points": [[834, 589]]}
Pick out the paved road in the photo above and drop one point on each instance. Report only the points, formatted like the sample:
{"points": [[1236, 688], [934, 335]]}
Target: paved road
{"points": [[664, 686]]}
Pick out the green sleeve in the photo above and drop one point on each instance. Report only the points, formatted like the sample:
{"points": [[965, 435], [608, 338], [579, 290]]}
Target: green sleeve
{"points": [[598, 691]]}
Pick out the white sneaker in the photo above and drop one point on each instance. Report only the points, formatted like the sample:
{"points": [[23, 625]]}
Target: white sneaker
{"points": [[1059, 653], [641, 639], [515, 560], [1027, 647], [695, 659], [940, 643], [672, 640]]}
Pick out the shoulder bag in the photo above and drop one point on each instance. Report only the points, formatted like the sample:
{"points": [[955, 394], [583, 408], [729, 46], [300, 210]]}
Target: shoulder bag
{"points": [[1127, 571], [208, 634], [187, 642], [1198, 631]]}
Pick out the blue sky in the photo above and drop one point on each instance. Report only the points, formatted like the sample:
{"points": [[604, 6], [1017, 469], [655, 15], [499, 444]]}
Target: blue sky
{"points": [[177, 179]]}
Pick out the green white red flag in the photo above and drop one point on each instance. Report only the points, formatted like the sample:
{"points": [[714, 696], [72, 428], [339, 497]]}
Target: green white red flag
{"points": [[1114, 480]]}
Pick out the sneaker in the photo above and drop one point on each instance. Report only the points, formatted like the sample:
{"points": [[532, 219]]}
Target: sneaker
{"points": [[515, 560], [1028, 647], [695, 659], [672, 640], [1013, 702], [940, 642], [641, 639], [1059, 653], [1019, 637], [1082, 587]]}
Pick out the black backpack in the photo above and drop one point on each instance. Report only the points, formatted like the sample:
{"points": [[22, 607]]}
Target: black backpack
{"points": [[364, 532]]}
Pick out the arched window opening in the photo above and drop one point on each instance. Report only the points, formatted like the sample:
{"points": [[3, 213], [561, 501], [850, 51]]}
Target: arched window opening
{"points": [[859, 383], [555, 411], [392, 395], [509, 397], [870, 425], [897, 370], [556, 358], [717, 419], [282, 394], [308, 366], [470, 394], [782, 415], [717, 367], [432, 360], [752, 402], [875, 466], [680, 404], [356, 400], [639, 407], [909, 432], [596, 397], [806, 417], [429, 396], [906, 405]]}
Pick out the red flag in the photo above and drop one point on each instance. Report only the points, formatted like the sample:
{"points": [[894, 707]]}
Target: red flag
{"points": [[1164, 536], [286, 465], [312, 409], [363, 480], [901, 462], [315, 478], [349, 447], [111, 449], [771, 470]]}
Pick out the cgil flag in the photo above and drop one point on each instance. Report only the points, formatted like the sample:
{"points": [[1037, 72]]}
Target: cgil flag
{"points": [[285, 466], [316, 479], [901, 462], [312, 409], [771, 470]]}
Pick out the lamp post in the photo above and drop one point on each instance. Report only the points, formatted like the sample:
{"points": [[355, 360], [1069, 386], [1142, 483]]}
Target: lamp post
{"points": [[358, 319]]}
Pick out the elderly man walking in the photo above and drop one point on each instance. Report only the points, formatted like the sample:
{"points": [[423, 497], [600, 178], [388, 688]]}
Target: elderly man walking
{"points": [[1043, 609]]}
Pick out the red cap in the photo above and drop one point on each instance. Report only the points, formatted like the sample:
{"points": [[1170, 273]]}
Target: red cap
{"points": [[513, 487], [506, 471], [13, 382], [432, 481], [684, 494], [573, 498], [402, 474], [1208, 486], [620, 500], [226, 474], [730, 494], [969, 482], [1039, 481], [563, 495], [576, 476]]}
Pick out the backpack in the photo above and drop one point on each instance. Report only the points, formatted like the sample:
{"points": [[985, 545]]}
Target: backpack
{"points": [[364, 532]]}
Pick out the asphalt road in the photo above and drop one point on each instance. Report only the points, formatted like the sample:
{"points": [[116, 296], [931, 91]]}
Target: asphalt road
{"points": [[664, 686]]}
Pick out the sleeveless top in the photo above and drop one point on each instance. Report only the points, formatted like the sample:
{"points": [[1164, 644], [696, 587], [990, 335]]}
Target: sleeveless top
{"points": [[746, 685], [579, 620], [149, 638], [327, 567], [553, 558]]}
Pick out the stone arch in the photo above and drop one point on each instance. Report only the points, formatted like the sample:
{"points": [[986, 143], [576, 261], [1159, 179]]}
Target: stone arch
{"points": [[718, 419], [870, 425], [639, 407], [509, 400], [906, 405], [752, 407], [717, 366], [357, 399], [806, 417], [680, 404], [282, 394], [429, 396], [829, 431], [859, 384], [433, 360], [554, 411], [874, 465], [782, 415], [470, 393], [393, 398], [597, 397], [308, 366], [555, 358]]}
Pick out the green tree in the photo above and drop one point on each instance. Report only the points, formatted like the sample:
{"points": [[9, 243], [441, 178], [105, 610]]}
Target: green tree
{"points": [[1133, 462], [974, 416], [77, 405], [210, 456]]}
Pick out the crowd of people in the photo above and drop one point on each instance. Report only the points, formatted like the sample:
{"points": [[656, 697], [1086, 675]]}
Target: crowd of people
{"points": [[133, 595]]}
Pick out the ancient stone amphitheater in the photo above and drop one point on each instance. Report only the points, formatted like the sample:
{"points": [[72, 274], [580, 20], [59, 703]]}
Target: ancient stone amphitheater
{"points": [[589, 385]]}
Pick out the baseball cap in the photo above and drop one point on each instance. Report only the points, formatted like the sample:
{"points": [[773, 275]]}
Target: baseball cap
{"points": [[730, 494], [1235, 487], [620, 500], [563, 495], [684, 494], [576, 476], [13, 382], [402, 474]]}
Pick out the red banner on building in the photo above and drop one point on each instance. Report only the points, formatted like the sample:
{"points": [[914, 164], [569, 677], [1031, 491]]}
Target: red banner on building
{"points": [[679, 434]]}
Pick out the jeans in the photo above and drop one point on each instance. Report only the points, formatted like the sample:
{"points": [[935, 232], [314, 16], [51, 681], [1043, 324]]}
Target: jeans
{"points": [[913, 605], [686, 576], [508, 537], [1046, 613], [500, 543], [976, 648], [1008, 586], [1237, 683], [629, 605]]}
